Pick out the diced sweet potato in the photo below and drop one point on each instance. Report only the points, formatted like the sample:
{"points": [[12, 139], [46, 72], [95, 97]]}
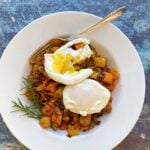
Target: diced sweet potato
{"points": [[72, 130], [85, 120], [45, 122], [56, 116], [115, 73], [100, 62], [108, 78]]}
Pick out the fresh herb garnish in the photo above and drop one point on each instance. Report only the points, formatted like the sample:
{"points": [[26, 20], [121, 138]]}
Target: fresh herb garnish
{"points": [[32, 111]]}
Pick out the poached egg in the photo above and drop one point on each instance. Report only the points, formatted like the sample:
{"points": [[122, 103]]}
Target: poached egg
{"points": [[59, 66], [86, 97]]}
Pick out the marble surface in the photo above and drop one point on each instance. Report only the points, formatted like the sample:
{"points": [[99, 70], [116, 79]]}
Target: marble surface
{"points": [[15, 14]]}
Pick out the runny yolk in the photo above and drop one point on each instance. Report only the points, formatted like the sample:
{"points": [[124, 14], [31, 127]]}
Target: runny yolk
{"points": [[63, 63]]}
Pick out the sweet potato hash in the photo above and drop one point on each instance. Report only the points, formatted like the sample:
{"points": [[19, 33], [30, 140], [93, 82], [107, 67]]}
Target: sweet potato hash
{"points": [[49, 92]]}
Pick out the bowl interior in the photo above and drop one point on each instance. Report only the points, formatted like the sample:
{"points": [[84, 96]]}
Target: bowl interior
{"points": [[109, 42]]}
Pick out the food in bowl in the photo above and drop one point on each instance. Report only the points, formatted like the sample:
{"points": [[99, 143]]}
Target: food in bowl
{"points": [[70, 86]]}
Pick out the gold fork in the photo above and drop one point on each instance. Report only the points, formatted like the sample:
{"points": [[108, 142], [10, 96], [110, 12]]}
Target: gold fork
{"points": [[111, 16]]}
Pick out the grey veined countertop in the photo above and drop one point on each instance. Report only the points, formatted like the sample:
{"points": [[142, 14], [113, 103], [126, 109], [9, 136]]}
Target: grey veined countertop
{"points": [[15, 14]]}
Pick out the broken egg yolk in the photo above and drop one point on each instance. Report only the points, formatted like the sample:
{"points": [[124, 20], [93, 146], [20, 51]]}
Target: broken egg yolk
{"points": [[63, 63]]}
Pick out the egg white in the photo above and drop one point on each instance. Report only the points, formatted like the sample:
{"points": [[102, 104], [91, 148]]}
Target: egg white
{"points": [[81, 54], [86, 97], [68, 78]]}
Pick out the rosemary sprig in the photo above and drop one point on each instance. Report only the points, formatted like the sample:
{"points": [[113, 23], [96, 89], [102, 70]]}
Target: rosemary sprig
{"points": [[32, 111], [27, 110], [28, 85]]}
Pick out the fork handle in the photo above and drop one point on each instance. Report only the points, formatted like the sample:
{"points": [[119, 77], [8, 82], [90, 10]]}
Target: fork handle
{"points": [[111, 16]]}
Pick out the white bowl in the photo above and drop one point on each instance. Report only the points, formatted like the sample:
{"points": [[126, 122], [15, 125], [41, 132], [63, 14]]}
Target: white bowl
{"points": [[128, 96]]}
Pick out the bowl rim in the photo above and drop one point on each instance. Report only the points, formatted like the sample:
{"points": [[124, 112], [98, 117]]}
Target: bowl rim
{"points": [[92, 15]]}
